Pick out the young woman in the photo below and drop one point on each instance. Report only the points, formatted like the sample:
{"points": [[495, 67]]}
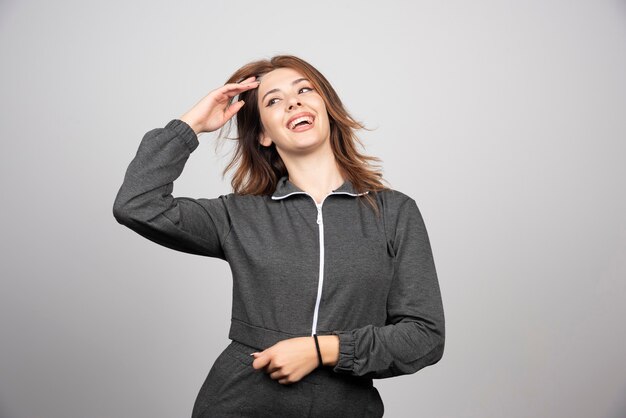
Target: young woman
{"points": [[334, 282]]}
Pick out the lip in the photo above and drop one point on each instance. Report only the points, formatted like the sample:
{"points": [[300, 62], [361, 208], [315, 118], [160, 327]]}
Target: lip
{"points": [[298, 115]]}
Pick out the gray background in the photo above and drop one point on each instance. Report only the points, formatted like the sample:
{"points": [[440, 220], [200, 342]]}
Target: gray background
{"points": [[505, 120]]}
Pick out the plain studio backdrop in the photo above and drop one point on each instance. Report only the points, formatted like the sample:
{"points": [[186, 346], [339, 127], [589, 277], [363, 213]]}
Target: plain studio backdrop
{"points": [[504, 120]]}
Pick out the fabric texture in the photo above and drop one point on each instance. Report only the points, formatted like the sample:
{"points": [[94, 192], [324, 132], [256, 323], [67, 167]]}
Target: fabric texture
{"points": [[234, 388], [299, 267]]}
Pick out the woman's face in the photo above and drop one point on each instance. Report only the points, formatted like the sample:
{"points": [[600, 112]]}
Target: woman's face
{"points": [[293, 114]]}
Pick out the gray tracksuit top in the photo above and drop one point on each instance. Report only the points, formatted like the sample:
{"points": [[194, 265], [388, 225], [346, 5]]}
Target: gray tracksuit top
{"points": [[299, 267]]}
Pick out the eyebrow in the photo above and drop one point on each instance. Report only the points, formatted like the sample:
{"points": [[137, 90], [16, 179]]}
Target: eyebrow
{"points": [[293, 83]]}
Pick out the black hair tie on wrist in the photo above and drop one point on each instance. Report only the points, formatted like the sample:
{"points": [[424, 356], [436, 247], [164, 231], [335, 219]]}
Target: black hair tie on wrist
{"points": [[319, 354]]}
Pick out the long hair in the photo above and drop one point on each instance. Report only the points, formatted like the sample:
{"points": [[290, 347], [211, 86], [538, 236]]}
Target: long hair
{"points": [[258, 168]]}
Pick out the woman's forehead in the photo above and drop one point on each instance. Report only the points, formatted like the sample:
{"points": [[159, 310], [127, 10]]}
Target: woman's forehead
{"points": [[278, 77]]}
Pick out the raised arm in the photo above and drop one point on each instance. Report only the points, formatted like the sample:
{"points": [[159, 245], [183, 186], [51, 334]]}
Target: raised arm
{"points": [[144, 202]]}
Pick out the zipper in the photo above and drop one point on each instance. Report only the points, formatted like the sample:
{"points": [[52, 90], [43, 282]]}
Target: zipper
{"points": [[320, 224], [320, 280], [320, 283]]}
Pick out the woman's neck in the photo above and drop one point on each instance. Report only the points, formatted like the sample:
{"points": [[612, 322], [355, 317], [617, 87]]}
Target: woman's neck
{"points": [[317, 174]]}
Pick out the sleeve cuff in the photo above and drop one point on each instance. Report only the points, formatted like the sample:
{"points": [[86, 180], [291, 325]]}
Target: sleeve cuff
{"points": [[345, 364], [184, 131]]}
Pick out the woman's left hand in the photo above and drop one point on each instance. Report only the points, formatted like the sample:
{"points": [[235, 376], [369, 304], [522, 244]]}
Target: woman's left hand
{"points": [[288, 360]]}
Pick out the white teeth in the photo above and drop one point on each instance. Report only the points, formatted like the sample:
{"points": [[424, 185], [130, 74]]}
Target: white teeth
{"points": [[296, 121]]}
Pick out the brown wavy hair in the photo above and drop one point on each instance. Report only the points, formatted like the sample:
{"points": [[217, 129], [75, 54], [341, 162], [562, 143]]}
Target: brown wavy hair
{"points": [[258, 168]]}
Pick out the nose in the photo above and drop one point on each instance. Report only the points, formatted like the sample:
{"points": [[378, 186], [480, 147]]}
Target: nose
{"points": [[293, 102]]}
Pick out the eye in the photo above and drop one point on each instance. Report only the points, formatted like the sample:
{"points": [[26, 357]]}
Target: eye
{"points": [[273, 101]]}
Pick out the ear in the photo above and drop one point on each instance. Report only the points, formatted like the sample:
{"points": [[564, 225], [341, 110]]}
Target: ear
{"points": [[265, 140]]}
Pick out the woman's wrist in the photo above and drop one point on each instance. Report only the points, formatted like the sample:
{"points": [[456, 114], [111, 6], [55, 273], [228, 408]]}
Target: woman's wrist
{"points": [[191, 124], [329, 347]]}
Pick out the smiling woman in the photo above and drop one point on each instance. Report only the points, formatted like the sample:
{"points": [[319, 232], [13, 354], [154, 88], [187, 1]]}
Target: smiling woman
{"points": [[289, 86], [328, 293], [302, 110]]}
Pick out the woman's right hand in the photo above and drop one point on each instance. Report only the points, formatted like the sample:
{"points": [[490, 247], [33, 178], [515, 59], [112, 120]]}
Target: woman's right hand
{"points": [[213, 111]]}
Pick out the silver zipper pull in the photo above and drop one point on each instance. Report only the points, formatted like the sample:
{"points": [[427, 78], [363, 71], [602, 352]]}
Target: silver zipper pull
{"points": [[319, 215]]}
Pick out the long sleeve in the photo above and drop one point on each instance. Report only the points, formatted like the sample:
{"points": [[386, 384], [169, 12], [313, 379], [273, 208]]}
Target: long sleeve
{"points": [[414, 333], [144, 202]]}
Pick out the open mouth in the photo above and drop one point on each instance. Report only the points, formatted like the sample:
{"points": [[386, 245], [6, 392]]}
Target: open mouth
{"points": [[301, 122]]}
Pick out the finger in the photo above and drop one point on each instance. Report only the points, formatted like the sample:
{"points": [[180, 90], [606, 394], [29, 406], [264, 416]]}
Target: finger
{"points": [[274, 371], [260, 362], [231, 91], [277, 375], [247, 80], [232, 109], [239, 86]]}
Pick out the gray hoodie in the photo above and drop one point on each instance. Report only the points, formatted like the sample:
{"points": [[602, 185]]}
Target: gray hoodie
{"points": [[299, 267]]}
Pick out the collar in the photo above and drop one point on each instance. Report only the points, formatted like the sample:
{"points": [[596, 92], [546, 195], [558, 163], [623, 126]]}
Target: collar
{"points": [[286, 188]]}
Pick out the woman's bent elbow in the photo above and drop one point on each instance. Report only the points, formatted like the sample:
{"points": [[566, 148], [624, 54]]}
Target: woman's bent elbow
{"points": [[121, 213], [432, 357], [438, 350]]}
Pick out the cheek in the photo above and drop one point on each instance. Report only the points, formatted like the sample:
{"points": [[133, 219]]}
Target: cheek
{"points": [[272, 122], [323, 114], [322, 108]]}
